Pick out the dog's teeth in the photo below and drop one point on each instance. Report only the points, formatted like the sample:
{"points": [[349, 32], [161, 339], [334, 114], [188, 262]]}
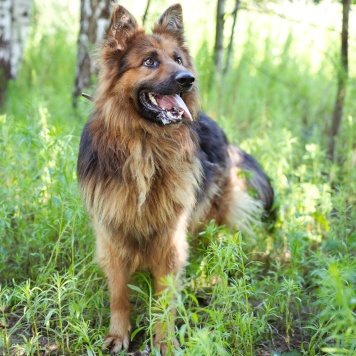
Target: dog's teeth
{"points": [[152, 98]]}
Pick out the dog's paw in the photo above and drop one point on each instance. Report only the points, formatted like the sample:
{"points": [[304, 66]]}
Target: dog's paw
{"points": [[115, 343]]}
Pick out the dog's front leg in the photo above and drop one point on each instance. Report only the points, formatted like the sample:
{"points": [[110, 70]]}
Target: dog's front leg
{"points": [[118, 274], [164, 328], [170, 263], [118, 337]]}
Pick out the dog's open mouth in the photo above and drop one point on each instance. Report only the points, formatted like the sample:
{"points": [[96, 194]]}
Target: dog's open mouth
{"points": [[168, 109]]}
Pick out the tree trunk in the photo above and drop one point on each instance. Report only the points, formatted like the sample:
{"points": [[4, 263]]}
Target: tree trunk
{"points": [[231, 42], [94, 18], [342, 80], [219, 36], [14, 23]]}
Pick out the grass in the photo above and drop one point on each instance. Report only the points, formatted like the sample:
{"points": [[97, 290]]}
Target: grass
{"points": [[290, 291]]}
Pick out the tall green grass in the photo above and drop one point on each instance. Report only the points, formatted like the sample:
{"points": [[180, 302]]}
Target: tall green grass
{"points": [[290, 291]]}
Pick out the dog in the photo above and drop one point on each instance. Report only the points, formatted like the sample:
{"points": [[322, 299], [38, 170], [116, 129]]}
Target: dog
{"points": [[152, 166]]}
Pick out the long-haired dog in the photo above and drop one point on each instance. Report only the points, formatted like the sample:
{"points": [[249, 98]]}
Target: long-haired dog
{"points": [[152, 166]]}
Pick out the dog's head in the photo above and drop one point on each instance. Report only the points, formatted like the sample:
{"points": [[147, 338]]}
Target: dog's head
{"points": [[152, 73]]}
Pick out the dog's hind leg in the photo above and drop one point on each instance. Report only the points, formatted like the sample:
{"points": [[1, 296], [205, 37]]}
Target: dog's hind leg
{"points": [[252, 193], [250, 171]]}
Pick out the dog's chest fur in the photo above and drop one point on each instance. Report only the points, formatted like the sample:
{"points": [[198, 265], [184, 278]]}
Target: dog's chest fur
{"points": [[139, 191]]}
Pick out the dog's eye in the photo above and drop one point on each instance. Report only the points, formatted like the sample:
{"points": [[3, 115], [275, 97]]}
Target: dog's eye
{"points": [[150, 62], [179, 60]]}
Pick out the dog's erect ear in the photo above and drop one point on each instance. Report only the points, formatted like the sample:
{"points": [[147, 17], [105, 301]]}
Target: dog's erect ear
{"points": [[171, 22], [122, 26]]}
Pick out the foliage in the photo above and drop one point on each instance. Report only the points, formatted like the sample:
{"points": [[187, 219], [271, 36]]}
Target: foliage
{"points": [[289, 291]]}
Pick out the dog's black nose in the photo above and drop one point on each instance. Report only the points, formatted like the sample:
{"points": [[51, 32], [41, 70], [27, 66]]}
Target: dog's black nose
{"points": [[185, 79]]}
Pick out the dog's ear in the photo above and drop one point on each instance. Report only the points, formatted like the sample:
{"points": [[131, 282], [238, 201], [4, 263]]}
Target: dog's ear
{"points": [[122, 26], [171, 22]]}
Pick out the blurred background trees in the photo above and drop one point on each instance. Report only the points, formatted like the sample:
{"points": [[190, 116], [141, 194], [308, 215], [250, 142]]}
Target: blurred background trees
{"points": [[342, 79], [14, 23], [219, 35], [94, 19]]}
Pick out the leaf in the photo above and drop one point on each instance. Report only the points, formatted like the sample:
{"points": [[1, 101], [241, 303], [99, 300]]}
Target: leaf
{"points": [[182, 332], [136, 289], [194, 316], [49, 316], [136, 332]]}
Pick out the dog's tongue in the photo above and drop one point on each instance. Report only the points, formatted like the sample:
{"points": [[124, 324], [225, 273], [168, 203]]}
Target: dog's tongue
{"points": [[170, 101]]}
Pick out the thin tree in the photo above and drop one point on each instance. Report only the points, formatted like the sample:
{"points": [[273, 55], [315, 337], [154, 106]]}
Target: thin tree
{"points": [[144, 17], [342, 80], [14, 24], [231, 41], [219, 35], [94, 18]]}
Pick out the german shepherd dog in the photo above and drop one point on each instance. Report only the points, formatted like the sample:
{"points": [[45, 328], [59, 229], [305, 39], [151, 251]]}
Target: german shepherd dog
{"points": [[153, 167]]}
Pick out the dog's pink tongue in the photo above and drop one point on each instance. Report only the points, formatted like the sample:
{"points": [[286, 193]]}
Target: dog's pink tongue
{"points": [[170, 101]]}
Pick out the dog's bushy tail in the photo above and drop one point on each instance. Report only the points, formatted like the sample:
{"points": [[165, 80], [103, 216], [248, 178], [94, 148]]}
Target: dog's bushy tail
{"points": [[257, 183]]}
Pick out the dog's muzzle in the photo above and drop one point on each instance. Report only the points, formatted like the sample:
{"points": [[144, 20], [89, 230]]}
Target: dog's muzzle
{"points": [[164, 103]]}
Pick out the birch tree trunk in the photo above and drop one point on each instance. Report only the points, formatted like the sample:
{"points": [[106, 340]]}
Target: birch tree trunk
{"points": [[94, 18], [219, 36], [14, 23], [342, 80]]}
